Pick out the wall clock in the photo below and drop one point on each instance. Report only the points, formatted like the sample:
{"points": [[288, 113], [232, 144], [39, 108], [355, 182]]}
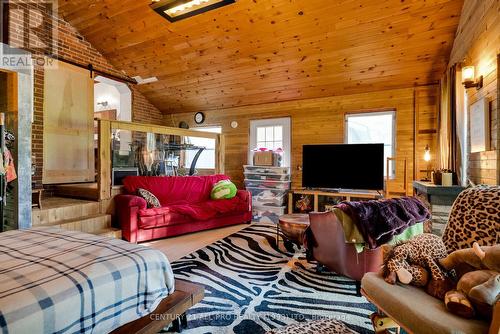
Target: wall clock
{"points": [[199, 117]]}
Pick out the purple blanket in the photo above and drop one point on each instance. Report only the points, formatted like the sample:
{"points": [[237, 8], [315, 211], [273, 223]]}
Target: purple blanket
{"points": [[379, 221]]}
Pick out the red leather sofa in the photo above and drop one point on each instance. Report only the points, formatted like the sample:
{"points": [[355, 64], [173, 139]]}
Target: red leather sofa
{"points": [[185, 207]]}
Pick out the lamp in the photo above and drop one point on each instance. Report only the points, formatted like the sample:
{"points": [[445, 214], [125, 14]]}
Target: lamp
{"points": [[427, 158], [427, 154], [175, 10], [469, 78]]}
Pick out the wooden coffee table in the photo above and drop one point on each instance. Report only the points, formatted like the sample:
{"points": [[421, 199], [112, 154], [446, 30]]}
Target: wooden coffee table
{"points": [[293, 227]]}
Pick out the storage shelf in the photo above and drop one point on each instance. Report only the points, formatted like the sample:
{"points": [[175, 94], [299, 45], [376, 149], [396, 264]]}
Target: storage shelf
{"points": [[341, 196]]}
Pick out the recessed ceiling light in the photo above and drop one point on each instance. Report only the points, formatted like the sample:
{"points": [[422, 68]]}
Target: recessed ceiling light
{"points": [[141, 81], [175, 10]]}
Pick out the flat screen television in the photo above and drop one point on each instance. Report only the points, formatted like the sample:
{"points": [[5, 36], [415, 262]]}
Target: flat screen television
{"points": [[345, 166]]}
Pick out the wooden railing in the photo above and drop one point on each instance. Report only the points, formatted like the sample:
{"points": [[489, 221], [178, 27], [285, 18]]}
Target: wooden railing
{"points": [[105, 130]]}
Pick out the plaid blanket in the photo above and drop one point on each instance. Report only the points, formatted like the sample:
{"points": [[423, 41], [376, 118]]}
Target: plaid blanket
{"points": [[55, 281]]}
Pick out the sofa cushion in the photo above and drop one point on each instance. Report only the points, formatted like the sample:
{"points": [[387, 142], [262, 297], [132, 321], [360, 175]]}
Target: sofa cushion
{"points": [[149, 197], [415, 309], [159, 217], [191, 212], [174, 189]]}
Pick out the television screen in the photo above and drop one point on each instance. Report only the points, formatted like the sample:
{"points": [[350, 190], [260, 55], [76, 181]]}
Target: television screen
{"points": [[346, 166]]}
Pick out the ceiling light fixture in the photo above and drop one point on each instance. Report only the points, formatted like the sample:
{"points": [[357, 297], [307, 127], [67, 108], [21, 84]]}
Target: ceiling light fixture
{"points": [[175, 10], [141, 81]]}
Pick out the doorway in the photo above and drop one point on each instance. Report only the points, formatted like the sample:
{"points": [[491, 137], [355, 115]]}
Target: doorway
{"points": [[113, 101], [16, 115]]}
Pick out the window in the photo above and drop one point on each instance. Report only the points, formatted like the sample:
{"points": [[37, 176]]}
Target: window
{"points": [[270, 137], [207, 157], [271, 134], [373, 128]]}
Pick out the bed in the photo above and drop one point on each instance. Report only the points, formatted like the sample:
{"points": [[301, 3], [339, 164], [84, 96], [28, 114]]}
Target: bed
{"points": [[53, 280]]}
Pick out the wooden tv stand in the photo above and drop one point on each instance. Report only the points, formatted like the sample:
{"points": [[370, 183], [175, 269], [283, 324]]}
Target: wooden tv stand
{"points": [[342, 195]]}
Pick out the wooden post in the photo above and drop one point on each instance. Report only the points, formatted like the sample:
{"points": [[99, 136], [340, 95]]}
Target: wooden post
{"points": [[220, 147], [104, 176]]}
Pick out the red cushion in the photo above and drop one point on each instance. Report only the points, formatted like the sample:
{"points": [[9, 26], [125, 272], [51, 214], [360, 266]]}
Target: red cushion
{"points": [[158, 217], [175, 189]]}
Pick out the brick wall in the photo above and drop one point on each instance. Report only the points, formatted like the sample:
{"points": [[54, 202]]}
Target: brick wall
{"points": [[72, 46]]}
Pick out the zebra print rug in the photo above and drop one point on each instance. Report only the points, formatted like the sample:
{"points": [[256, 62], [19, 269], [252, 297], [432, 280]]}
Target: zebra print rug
{"points": [[252, 286]]}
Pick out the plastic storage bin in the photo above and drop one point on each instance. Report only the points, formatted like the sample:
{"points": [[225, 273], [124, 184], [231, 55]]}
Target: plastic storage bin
{"points": [[267, 170], [265, 184], [270, 177], [268, 197], [271, 213]]}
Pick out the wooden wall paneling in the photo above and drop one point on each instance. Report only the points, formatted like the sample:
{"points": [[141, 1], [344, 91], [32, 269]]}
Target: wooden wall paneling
{"points": [[478, 43], [318, 121], [258, 52], [426, 129]]}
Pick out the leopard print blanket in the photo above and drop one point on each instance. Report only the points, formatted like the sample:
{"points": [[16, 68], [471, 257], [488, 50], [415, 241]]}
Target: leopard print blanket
{"points": [[475, 216]]}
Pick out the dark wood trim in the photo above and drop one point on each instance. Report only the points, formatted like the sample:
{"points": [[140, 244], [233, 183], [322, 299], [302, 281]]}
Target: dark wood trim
{"points": [[170, 310], [4, 11], [427, 131], [161, 6], [92, 70]]}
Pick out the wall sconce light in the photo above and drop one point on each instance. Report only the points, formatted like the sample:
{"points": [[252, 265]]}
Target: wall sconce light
{"points": [[469, 78], [175, 10], [427, 158], [427, 154], [103, 104]]}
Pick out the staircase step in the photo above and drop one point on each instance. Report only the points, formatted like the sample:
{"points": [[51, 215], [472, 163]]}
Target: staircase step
{"points": [[110, 232], [78, 190], [61, 209], [89, 224]]}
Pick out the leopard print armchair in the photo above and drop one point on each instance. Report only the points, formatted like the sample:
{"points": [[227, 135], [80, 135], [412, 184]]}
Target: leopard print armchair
{"points": [[475, 216]]}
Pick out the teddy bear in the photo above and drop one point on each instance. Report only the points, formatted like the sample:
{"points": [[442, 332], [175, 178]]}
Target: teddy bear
{"points": [[478, 287], [411, 261]]}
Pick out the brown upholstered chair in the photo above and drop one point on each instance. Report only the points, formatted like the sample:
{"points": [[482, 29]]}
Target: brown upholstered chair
{"points": [[326, 244]]}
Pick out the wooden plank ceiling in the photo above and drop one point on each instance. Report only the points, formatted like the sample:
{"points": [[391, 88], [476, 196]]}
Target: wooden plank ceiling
{"points": [[259, 51]]}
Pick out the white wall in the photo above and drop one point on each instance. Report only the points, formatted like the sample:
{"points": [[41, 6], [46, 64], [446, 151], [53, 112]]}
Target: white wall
{"points": [[109, 93], [118, 96]]}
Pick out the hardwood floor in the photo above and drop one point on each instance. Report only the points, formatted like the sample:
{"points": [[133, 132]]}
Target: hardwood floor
{"points": [[178, 247]]}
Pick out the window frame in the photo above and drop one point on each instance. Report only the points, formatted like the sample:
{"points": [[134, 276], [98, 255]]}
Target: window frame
{"points": [[393, 113], [185, 164], [286, 124]]}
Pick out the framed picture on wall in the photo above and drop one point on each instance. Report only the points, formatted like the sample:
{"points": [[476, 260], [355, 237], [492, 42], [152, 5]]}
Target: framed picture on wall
{"points": [[479, 126]]}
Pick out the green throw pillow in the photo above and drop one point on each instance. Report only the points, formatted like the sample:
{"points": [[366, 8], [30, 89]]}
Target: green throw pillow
{"points": [[224, 189]]}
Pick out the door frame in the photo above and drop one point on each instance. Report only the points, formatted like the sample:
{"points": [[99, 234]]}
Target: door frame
{"points": [[25, 88]]}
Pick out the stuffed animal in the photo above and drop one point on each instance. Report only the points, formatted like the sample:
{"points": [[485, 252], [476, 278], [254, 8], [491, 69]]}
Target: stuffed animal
{"points": [[410, 261], [478, 289]]}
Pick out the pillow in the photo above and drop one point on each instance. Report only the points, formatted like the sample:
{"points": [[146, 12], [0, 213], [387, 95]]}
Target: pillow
{"points": [[224, 189], [151, 199]]}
